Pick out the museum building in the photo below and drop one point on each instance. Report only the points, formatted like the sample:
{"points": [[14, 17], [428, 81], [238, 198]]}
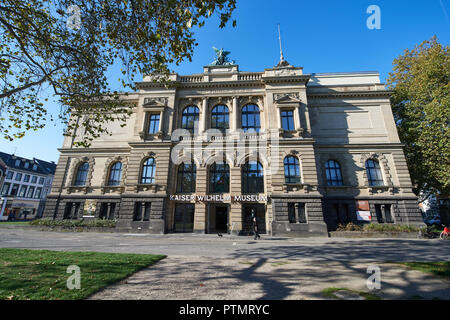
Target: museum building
{"points": [[305, 152]]}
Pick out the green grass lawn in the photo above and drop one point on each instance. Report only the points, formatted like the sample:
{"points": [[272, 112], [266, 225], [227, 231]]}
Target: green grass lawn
{"points": [[19, 223], [441, 268], [42, 274]]}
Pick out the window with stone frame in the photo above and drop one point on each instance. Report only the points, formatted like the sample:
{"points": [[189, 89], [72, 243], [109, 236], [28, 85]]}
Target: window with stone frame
{"points": [[220, 118], [374, 175], [37, 194], [297, 212], [81, 175], [219, 177], [14, 189], [252, 177], [22, 192], [30, 192], [5, 188], [186, 177], [190, 119], [333, 173], [115, 174], [291, 170], [153, 123], [250, 118], [287, 120], [148, 171]]}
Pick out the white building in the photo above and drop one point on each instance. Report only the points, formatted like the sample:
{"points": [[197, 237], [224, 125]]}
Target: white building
{"points": [[25, 186]]}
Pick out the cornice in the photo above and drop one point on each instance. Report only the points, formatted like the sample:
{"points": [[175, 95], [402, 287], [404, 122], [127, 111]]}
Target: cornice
{"points": [[98, 150], [354, 94]]}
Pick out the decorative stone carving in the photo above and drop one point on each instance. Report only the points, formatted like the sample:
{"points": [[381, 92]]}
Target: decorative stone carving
{"points": [[293, 97], [156, 102]]}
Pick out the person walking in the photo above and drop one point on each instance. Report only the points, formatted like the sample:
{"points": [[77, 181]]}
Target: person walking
{"points": [[255, 225]]}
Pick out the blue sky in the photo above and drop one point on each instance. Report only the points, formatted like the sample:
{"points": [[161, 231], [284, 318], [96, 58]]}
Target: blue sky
{"points": [[320, 36]]}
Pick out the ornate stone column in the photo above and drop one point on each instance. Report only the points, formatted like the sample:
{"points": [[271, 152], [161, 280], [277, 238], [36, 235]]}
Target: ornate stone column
{"points": [[203, 116], [235, 118]]}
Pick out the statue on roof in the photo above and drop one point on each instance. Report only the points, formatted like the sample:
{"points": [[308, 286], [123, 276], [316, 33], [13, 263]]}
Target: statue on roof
{"points": [[222, 58]]}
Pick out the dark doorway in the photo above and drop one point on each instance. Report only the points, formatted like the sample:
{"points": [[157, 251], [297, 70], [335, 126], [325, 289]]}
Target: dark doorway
{"points": [[184, 218], [221, 219], [247, 223]]}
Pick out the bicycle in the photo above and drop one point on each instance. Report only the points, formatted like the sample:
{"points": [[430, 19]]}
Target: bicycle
{"points": [[444, 234]]}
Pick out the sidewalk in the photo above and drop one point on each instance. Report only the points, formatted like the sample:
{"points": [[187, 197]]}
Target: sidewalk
{"points": [[205, 278]]}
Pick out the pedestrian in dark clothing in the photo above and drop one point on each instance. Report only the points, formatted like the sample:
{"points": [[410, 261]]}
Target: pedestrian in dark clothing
{"points": [[255, 225]]}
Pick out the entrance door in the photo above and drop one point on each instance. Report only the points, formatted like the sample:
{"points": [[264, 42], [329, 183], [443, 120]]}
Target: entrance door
{"points": [[184, 218], [221, 219], [260, 213]]}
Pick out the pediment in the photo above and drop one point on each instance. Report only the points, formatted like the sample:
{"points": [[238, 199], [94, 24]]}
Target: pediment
{"points": [[287, 97], [155, 102]]}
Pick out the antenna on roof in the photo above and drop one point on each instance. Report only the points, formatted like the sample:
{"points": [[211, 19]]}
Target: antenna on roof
{"points": [[282, 63], [15, 149], [281, 47]]}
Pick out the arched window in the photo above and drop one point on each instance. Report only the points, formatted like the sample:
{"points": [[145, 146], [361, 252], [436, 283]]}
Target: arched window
{"points": [[115, 174], [220, 118], [334, 175], [82, 173], [252, 177], [291, 170], [219, 177], [186, 177], [148, 171], [189, 119], [374, 173], [250, 118]]}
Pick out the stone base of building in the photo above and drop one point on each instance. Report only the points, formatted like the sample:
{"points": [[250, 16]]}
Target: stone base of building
{"points": [[151, 227], [286, 229], [383, 210]]}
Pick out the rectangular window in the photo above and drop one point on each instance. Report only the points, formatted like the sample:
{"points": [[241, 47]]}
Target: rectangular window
{"points": [[287, 120], [9, 175], [18, 176], [296, 212], [153, 123], [5, 188], [41, 180], [291, 213], [383, 212], [30, 192], [37, 195], [34, 179], [26, 165], [26, 178], [17, 163], [23, 190], [14, 189], [34, 167]]}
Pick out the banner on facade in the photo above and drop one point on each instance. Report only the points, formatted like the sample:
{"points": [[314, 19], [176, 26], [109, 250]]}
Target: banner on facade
{"points": [[363, 211], [364, 216], [89, 208]]}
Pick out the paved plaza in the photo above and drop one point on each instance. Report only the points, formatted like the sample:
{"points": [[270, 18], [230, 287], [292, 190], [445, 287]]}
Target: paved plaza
{"points": [[209, 267]]}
